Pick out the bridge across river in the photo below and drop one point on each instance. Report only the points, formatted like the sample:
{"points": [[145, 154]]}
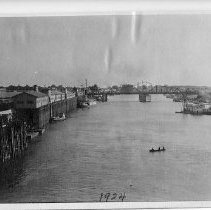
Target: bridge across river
{"points": [[146, 92], [145, 96], [156, 91], [181, 92], [149, 92]]}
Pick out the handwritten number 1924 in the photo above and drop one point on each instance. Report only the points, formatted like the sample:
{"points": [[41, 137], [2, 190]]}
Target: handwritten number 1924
{"points": [[105, 197]]}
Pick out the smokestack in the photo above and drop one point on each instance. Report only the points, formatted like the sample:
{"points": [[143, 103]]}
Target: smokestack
{"points": [[65, 92], [36, 88]]}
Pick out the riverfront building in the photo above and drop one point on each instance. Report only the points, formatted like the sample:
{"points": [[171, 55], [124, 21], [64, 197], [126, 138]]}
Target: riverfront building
{"points": [[30, 113], [5, 116], [61, 102], [6, 99], [36, 107], [33, 107]]}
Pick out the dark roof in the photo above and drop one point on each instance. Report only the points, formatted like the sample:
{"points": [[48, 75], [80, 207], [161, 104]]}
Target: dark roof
{"points": [[5, 94], [35, 93]]}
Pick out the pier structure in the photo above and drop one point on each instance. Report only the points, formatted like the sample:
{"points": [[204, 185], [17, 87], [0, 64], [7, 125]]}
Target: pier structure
{"points": [[37, 108], [28, 114], [32, 107], [13, 141], [61, 102]]}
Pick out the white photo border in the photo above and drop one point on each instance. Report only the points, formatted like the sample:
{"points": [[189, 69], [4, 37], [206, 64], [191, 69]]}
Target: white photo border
{"points": [[36, 8]]}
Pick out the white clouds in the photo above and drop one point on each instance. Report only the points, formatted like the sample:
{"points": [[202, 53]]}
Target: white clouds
{"points": [[108, 59], [114, 28], [133, 27], [166, 49]]}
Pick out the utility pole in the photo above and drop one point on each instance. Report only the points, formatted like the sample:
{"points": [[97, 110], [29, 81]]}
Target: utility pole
{"points": [[85, 86], [86, 83]]}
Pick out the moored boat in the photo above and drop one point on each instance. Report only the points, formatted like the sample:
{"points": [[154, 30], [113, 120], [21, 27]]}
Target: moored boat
{"points": [[59, 117], [92, 102], [85, 105]]}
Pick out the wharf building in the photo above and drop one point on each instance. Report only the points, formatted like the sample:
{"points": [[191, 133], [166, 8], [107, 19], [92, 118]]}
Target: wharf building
{"points": [[6, 99], [37, 108], [33, 108], [6, 105], [26, 113], [61, 102]]}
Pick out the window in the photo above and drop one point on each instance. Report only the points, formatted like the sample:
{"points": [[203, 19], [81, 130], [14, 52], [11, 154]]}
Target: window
{"points": [[30, 102]]}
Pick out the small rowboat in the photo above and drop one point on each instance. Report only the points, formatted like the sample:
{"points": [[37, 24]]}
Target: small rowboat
{"points": [[157, 150], [59, 118], [85, 105]]}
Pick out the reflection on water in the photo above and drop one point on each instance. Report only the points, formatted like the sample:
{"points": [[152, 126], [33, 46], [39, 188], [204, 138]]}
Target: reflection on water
{"points": [[11, 173], [106, 149]]}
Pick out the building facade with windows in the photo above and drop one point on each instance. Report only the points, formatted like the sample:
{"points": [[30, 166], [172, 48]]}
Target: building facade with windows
{"points": [[38, 108], [6, 99], [32, 107]]}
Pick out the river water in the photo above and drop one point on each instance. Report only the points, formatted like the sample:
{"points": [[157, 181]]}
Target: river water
{"points": [[106, 149]]}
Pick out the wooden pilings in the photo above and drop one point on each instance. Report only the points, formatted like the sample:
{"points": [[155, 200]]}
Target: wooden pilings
{"points": [[13, 135], [13, 140]]}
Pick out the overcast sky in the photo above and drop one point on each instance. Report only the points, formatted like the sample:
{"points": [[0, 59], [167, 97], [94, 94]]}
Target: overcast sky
{"points": [[162, 49]]}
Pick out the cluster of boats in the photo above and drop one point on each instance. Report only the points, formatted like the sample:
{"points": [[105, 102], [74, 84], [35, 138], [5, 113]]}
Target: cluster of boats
{"points": [[87, 104]]}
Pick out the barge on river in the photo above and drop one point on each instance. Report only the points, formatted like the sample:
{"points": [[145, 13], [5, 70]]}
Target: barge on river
{"points": [[196, 108]]}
